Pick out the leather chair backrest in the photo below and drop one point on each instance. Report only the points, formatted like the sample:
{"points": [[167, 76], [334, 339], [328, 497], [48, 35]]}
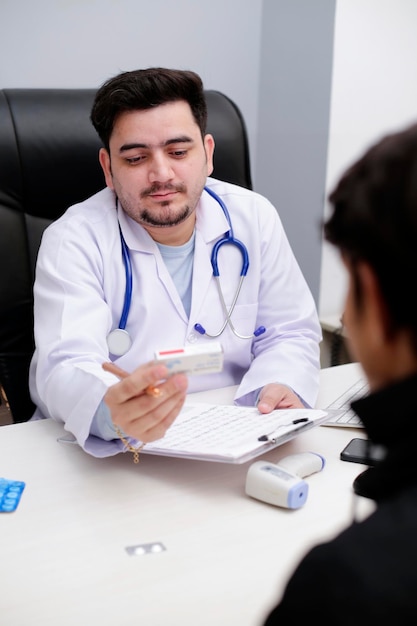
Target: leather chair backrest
{"points": [[49, 161]]}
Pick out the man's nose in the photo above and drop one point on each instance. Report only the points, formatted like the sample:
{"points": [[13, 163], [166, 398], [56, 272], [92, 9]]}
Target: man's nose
{"points": [[160, 169]]}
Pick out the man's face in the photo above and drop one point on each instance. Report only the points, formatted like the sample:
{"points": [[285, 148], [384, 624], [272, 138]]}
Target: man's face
{"points": [[158, 165]]}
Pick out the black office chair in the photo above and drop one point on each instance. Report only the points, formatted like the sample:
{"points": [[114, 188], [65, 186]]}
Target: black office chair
{"points": [[49, 161]]}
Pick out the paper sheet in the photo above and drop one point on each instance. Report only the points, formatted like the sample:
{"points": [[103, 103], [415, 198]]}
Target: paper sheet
{"points": [[230, 433]]}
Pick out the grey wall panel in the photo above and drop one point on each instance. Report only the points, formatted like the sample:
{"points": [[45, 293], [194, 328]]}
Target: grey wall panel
{"points": [[293, 124]]}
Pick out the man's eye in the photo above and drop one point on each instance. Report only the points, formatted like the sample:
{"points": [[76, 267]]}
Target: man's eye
{"points": [[179, 153], [135, 159]]}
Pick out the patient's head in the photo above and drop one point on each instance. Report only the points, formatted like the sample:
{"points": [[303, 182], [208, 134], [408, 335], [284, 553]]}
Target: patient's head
{"points": [[374, 225]]}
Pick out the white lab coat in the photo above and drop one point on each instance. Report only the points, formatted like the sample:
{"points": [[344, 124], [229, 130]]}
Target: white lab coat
{"points": [[80, 288]]}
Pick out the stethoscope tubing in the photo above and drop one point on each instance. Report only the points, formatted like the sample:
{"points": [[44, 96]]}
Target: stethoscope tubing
{"points": [[129, 282], [228, 238]]}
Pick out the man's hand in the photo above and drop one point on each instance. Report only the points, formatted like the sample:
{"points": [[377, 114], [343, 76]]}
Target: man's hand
{"points": [[135, 407], [275, 396]]}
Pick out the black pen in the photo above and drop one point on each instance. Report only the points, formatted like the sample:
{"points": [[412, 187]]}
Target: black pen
{"points": [[272, 437]]}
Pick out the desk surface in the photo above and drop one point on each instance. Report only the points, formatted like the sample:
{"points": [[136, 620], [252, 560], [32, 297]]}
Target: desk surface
{"points": [[227, 556]]}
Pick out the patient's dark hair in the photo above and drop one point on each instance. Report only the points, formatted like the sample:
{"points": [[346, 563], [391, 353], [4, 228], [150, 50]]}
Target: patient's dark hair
{"points": [[374, 219], [144, 89]]}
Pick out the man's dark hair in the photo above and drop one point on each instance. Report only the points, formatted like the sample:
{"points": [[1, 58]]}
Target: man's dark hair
{"points": [[374, 219], [144, 89]]}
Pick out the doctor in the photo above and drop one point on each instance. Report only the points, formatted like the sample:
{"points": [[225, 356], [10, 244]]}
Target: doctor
{"points": [[130, 271]]}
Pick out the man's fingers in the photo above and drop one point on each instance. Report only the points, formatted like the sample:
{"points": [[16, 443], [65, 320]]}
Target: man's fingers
{"points": [[147, 416], [275, 396], [158, 430]]}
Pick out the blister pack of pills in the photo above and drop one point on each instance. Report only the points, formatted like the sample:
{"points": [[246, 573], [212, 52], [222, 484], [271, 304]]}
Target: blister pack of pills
{"points": [[10, 493]]}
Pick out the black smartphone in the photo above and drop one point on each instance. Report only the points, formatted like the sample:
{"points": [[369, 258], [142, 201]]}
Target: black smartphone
{"points": [[363, 451]]}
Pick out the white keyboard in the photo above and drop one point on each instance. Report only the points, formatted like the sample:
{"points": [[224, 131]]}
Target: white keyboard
{"points": [[345, 417]]}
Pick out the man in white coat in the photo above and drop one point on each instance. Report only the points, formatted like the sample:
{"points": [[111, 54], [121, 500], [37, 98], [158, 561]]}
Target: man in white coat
{"points": [[155, 224]]}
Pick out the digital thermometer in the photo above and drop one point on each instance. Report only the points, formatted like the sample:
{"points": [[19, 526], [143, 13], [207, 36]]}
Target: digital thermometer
{"points": [[282, 484]]}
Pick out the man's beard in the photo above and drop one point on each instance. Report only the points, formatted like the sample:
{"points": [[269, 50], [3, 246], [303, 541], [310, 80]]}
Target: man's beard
{"points": [[147, 217], [160, 216]]}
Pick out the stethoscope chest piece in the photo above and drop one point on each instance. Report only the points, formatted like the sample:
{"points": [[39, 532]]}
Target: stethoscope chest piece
{"points": [[119, 342]]}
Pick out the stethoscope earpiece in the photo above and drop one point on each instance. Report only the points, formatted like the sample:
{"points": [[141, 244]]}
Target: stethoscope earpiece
{"points": [[256, 333]]}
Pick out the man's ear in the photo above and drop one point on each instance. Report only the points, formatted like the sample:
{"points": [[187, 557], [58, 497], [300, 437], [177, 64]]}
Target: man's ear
{"points": [[209, 148], [372, 298], [104, 158]]}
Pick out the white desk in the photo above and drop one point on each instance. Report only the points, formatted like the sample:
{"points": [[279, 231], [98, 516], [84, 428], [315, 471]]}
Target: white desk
{"points": [[62, 552]]}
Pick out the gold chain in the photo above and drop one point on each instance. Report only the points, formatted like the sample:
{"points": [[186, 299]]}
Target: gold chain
{"points": [[130, 448]]}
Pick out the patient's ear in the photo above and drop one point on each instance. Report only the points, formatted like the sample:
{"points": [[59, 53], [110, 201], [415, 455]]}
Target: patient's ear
{"points": [[373, 300]]}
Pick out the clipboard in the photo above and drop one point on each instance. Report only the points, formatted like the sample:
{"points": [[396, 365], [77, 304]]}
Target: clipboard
{"points": [[231, 434]]}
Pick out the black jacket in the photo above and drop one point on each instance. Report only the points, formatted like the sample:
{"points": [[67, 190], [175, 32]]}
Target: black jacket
{"points": [[368, 574]]}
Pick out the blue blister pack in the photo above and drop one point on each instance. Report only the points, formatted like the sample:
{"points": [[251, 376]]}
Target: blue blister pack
{"points": [[10, 493]]}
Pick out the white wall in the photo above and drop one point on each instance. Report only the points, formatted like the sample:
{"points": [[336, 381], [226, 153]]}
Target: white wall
{"points": [[374, 91], [272, 57], [81, 43]]}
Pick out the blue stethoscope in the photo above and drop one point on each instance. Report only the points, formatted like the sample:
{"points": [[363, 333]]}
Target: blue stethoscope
{"points": [[119, 340]]}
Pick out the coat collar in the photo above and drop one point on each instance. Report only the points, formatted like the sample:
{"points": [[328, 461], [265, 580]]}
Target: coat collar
{"points": [[390, 419], [389, 413]]}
